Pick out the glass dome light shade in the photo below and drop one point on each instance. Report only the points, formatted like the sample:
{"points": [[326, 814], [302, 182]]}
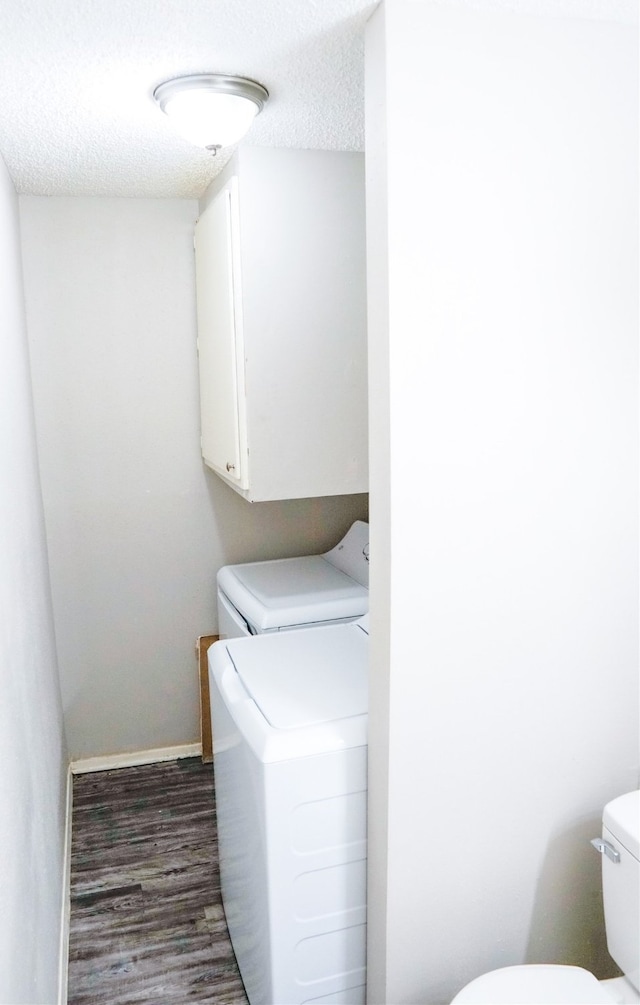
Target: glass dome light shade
{"points": [[211, 110]]}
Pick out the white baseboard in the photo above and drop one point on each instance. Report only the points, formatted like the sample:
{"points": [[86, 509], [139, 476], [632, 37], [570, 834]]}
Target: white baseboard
{"points": [[65, 910], [107, 762]]}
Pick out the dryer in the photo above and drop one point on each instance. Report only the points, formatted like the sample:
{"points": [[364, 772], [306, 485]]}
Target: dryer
{"points": [[255, 598], [289, 720]]}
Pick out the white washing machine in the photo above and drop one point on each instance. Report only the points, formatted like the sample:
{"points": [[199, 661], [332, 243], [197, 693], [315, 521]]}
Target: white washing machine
{"points": [[259, 597], [289, 719]]}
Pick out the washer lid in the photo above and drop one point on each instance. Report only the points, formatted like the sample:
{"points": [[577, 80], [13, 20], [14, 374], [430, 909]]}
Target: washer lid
{"points": [[305, 678], [292, 591], [542, 984], [622, 818]]}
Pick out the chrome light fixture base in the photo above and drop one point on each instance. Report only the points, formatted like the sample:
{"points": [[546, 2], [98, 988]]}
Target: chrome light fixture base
{"points": [[211, 109]]}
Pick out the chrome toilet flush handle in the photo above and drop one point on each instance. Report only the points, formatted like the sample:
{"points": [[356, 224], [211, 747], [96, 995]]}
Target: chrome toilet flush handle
{"points": [[606, 848]]}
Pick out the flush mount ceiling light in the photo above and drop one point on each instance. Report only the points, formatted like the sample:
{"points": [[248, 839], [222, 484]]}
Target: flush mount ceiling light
{"points": [[210, 109]]}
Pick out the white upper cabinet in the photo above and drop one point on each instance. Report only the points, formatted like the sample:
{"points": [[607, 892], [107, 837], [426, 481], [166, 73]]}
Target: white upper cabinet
{"points": [[281, 296], [220, 348]]}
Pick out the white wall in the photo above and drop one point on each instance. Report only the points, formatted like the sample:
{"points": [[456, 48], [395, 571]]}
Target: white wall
{"points": [[137, 528], [505, 713], [32, 747]]}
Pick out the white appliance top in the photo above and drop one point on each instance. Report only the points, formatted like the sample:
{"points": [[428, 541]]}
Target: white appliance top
{"points": [[294, 694], [622, 818], [299, 591], [535, 984], [300, 679]]}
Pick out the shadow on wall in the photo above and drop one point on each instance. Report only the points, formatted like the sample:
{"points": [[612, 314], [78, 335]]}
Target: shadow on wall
{"points": [[568, 918], [284, 529]]}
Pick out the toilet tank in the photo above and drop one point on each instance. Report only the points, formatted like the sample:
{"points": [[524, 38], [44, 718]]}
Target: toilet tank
{"points": [[621, 883]]}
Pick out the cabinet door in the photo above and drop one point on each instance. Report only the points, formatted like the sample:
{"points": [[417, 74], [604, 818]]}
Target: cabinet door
{"points": [[220, 344]]}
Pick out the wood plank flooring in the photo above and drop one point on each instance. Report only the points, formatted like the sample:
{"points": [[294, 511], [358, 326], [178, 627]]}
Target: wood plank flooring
{"points": [[147, 923]]}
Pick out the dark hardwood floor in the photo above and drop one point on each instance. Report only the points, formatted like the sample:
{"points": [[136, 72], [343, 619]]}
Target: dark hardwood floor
{"points": [[147, 923]]}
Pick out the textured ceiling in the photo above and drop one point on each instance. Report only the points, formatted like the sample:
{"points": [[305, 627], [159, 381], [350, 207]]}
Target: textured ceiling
{"points": [[77, 115]]}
